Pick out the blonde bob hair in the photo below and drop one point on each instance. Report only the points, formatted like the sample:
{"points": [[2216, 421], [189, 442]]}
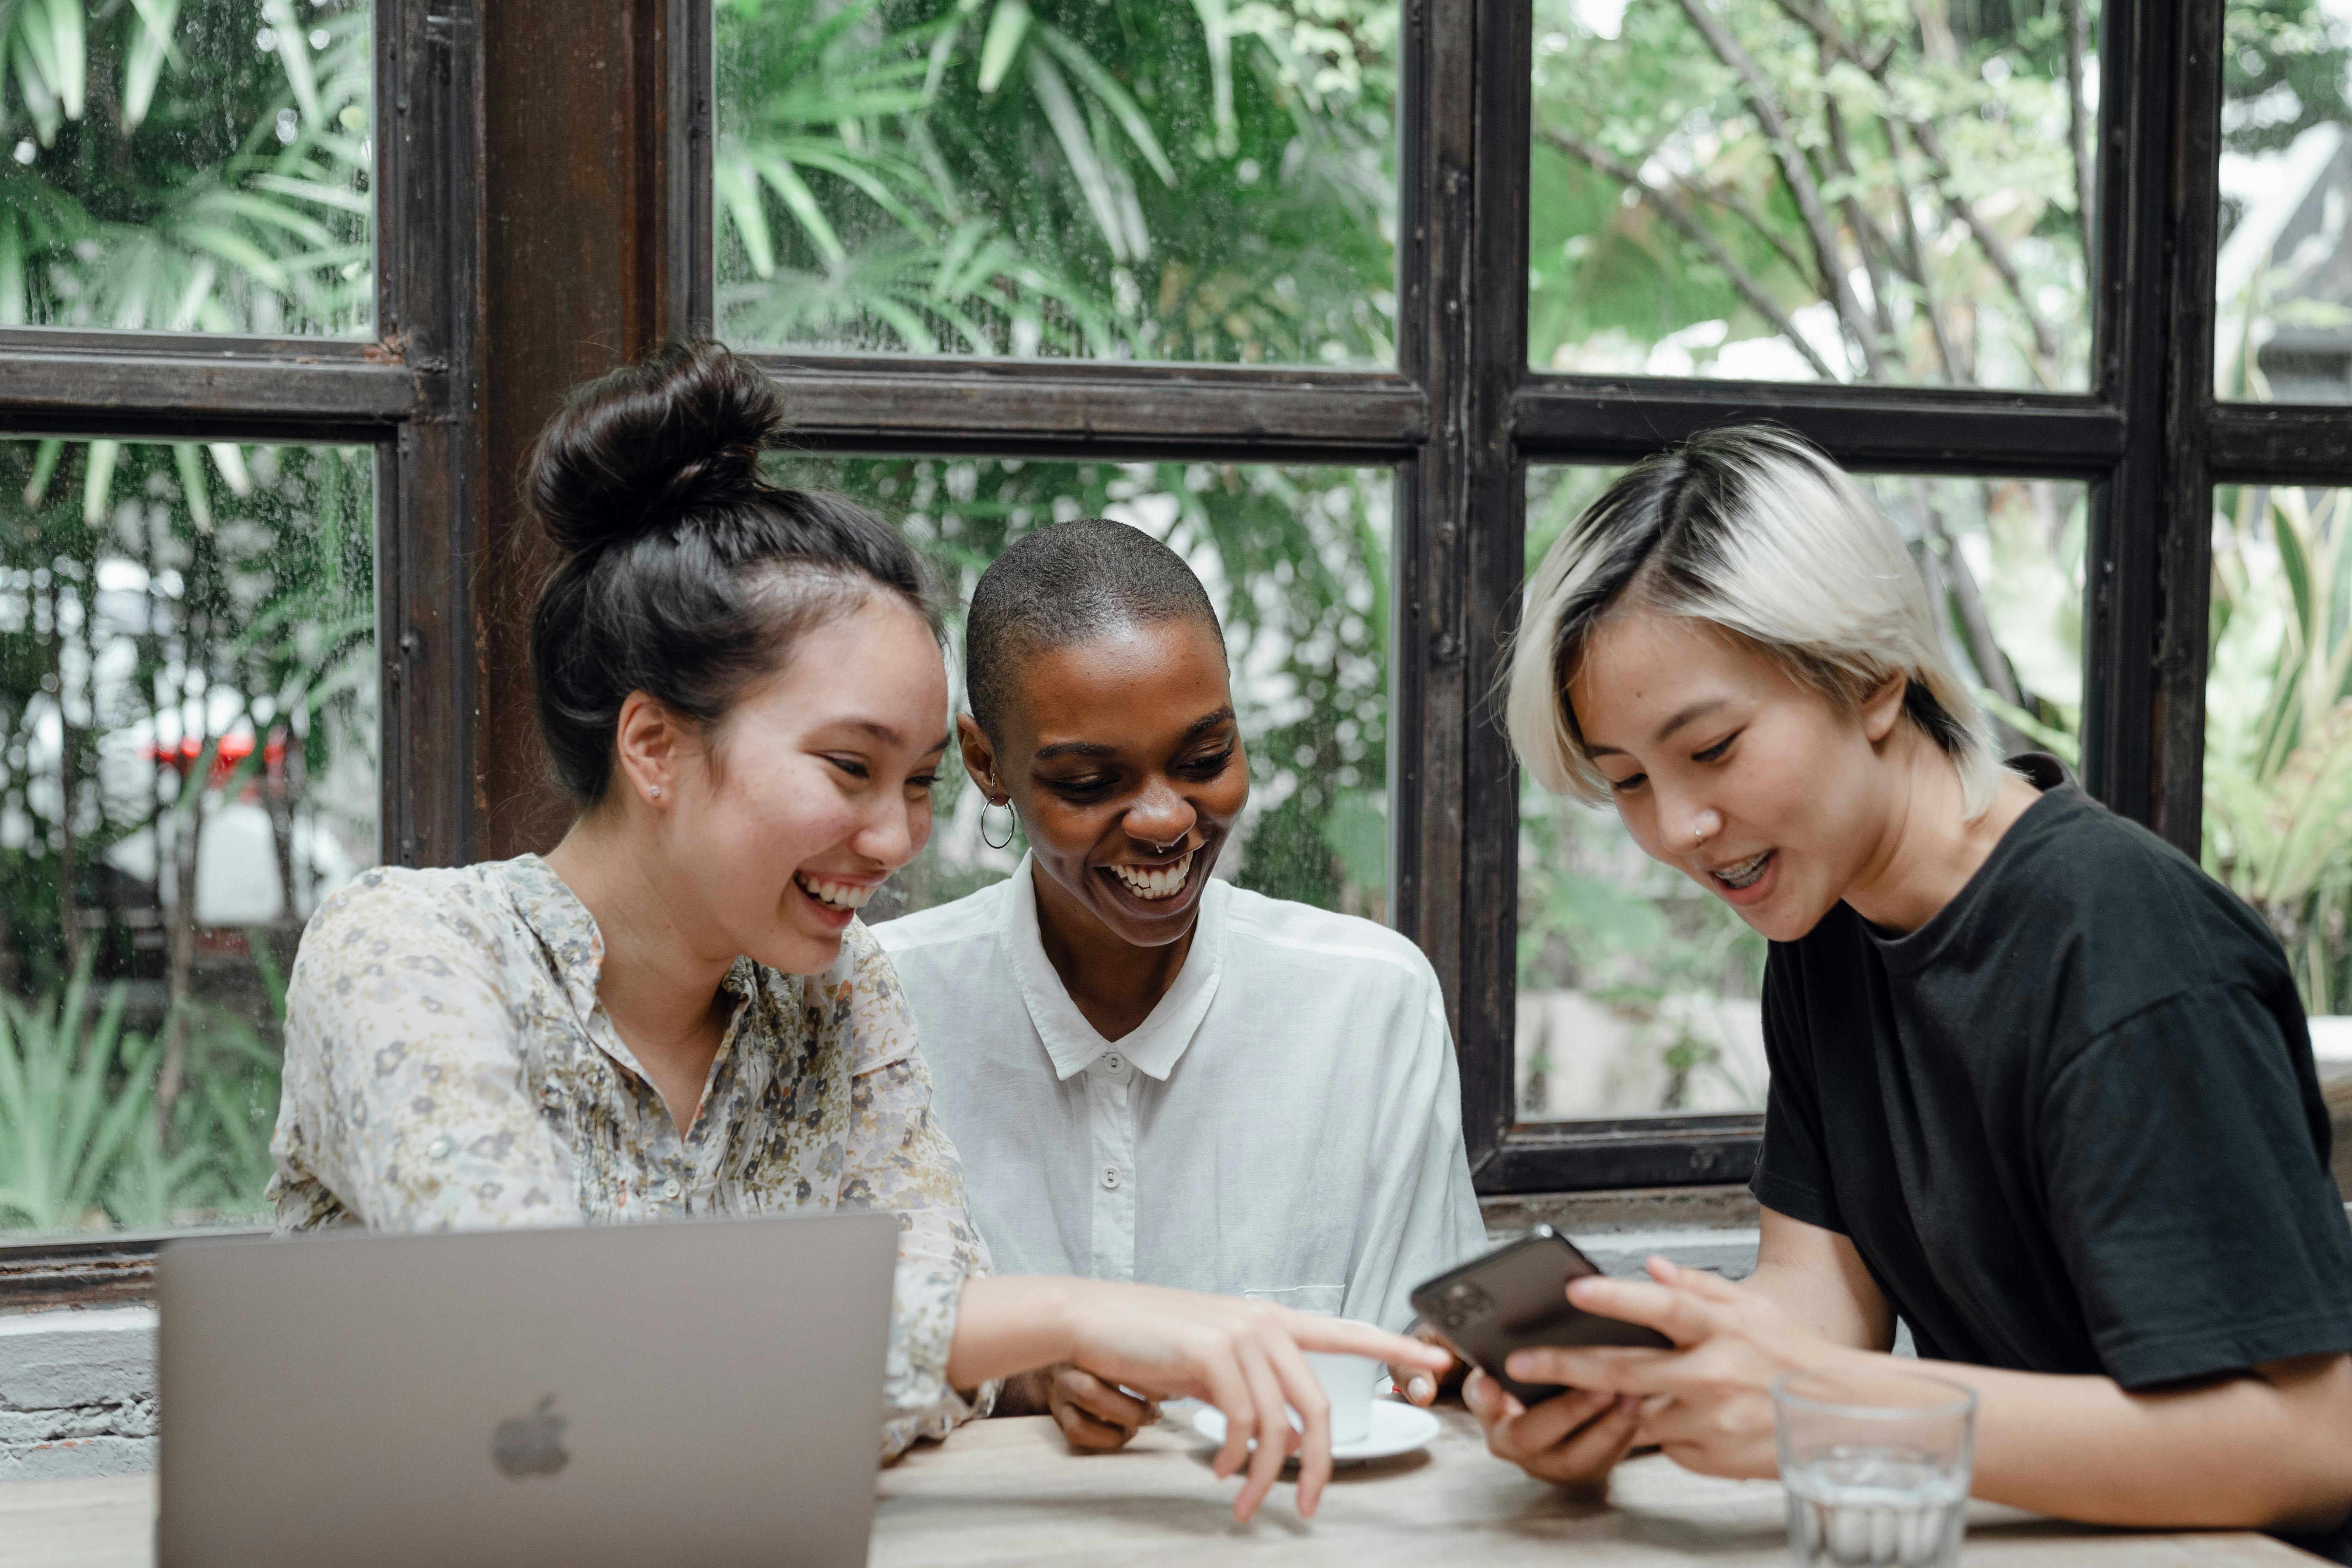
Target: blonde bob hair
{"points": [[1755, 532]]}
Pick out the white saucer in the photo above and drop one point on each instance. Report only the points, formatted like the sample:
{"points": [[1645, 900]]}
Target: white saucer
{"points": [[1397, 1428]]}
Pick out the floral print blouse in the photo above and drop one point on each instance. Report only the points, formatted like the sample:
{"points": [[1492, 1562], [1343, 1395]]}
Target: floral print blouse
{"points": [[449, 1067]]}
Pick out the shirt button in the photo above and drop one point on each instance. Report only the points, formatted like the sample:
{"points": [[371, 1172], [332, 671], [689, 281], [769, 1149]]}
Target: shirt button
{"points": [[1115, 1062], [670, 1189], [441, 1148], [1110, 1177]]}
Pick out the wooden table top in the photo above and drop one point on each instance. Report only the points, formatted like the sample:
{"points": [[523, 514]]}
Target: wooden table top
{"points": [[1010, 1491]]}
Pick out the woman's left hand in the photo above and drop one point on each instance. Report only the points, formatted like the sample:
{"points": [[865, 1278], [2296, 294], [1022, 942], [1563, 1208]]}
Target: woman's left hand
{"points": [[1709, 1401]]}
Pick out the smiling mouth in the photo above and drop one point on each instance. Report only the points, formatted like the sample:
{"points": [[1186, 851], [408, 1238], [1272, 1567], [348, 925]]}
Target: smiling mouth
{"points": [[838, 895], [1744, 873], [1156, 882]]}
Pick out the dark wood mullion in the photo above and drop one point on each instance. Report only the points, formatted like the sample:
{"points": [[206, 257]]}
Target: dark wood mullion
{"points": [[429, 251], [2139, 67], [1436, 299], [1046, 407], [1906, 430], [2269, 442], [2181, 637], [690, 113], [195, 388], [1495, 525]]}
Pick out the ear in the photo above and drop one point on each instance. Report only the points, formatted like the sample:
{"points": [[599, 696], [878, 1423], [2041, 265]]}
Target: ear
{"points": [[1883, 707], [979, 756], [651, 746]]}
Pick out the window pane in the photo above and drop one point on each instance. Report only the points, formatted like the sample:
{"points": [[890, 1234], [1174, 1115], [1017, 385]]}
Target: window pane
{"points": [[2278, 749], [188, 166], [2282, 325], [187, 766], [1060, 177], [1881, 193], [1296, 562], [1638, 990], [2278, 728]]}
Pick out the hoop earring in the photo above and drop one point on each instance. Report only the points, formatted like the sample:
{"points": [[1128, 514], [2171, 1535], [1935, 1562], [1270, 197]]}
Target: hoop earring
{"points": [[1012, 824]]}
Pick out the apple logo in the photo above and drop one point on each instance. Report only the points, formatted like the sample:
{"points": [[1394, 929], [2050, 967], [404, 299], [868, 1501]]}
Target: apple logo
{"points": [[530, 1444]]}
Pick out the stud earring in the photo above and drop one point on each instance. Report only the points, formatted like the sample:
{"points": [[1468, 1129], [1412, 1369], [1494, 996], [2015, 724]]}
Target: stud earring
{"points": [[655, 792], [1012, 824]]}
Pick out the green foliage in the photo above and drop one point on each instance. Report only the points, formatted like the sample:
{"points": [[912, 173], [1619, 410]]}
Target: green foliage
{"points": [[1894, 192], [172, 165], [1117, 179], [2278, 749], [78, 1140], [1298, 559], [169, 175], [2284, 66]]}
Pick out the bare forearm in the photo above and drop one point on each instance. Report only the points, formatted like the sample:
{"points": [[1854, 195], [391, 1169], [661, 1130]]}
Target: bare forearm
{"points": [[2260, 1451], [1008, 1324], [1829, 1305]]}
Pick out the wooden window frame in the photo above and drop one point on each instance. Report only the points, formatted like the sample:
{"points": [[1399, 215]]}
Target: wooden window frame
{"points": [[464, 370], [411, 393], [1463, 416]]}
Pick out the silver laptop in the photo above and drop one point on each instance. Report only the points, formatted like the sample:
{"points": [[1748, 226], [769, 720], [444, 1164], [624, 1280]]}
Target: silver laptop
{"points": [[679, 1394]]}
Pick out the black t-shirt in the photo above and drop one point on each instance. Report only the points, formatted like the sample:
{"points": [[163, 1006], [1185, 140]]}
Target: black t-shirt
{"points": [[2070, 1123]]}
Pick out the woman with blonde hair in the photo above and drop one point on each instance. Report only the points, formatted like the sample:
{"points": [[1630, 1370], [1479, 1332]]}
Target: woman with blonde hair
{"points": [[2040, 1089]]}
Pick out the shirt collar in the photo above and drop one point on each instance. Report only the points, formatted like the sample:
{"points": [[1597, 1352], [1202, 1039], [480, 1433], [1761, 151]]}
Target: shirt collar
{"points": [[567, 933], [1159, 1040]]}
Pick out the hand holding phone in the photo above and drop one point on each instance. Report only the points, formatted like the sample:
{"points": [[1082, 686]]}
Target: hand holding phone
{"points": [[1515, 1297]]}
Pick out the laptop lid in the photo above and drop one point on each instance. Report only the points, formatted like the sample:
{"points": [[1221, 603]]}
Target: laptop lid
{"points": [[681, 1394]]}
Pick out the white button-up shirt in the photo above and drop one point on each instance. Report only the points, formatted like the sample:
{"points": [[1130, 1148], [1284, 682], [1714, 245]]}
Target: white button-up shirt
{"points": [[1286, 1123]]}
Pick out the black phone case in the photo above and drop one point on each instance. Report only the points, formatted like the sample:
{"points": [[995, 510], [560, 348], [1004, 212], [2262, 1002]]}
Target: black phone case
{"points": [[1514, 1297]]}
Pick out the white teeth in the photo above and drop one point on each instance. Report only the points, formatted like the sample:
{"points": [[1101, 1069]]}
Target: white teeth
{"points": [[1159, 882], [1744, 874], [840, 895]]}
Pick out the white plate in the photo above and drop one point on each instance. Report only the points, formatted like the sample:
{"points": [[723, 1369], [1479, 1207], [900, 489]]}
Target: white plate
{"points": [[1396, 1429]]}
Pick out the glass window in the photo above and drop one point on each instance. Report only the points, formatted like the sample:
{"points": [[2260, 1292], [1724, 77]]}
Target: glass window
{"points": [[1296, 562], [1111, 179], [1638, 991], [1830, 192], [2278, 728], [188, 166], [187, 766], [2283, 287]]}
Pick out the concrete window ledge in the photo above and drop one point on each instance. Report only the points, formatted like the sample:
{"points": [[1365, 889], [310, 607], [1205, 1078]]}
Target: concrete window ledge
{"points": [[77, 1394]]}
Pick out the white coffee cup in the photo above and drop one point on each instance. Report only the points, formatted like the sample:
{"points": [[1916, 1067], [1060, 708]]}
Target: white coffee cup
{"points": [[1347, 1382]]}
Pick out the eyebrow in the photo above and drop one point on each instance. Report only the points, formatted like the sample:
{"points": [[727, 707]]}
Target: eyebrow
{"points": [[1197, 727], [887, 735], [1681, 716]]}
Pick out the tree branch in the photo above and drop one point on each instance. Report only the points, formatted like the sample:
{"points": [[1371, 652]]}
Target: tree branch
{"points": [[1937, 35], [1682, 217], [1799, 174], [1955, 370], [2078, 42]]}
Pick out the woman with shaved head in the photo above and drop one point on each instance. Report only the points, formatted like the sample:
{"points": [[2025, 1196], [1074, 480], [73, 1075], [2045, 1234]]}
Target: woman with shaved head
{"points": [[1152, 1074]]}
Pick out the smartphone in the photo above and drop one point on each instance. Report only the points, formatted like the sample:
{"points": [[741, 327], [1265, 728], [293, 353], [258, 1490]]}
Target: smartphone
{"points": [[1515, 1297]]}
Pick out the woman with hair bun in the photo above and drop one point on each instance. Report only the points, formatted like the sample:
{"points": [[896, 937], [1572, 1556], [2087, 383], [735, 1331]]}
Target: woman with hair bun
{"points": [[676, 1013], [2040, 1089]]}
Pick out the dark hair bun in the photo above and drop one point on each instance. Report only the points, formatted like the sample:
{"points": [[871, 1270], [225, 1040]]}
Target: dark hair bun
{"points": [[631, 450], [685, 574]]}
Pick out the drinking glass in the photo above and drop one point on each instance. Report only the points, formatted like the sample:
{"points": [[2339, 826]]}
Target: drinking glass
{"points": [[1877, 1466]]}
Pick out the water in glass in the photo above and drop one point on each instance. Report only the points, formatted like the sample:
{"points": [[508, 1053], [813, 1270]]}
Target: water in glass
{"points": [[1875, 1506]]}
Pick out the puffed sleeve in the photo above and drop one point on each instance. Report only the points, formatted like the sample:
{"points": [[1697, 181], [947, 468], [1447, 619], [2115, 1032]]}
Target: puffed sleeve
{"points": [[899, 1159], [404, 1107]]}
